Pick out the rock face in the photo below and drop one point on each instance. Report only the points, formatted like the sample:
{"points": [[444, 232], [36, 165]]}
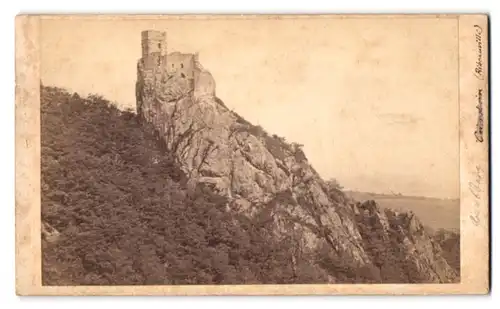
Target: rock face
{"points": [[259, 173], [399, 241]]}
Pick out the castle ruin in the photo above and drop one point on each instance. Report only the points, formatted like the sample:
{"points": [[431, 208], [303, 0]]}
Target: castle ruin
{"points": [[158, 66]]}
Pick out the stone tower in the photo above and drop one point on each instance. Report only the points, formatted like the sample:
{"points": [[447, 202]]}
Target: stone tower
{"points": [[154, 49]]}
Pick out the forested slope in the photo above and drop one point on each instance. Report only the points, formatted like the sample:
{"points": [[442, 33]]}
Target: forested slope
{"points": [[122, 215]]}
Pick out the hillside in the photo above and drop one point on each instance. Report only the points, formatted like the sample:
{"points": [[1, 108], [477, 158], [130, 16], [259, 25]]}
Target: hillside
{"points": [[115, 209], [205, 198]]}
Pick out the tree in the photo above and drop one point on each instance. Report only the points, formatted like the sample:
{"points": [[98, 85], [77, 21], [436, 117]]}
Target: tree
{"points": [[333, 184]]}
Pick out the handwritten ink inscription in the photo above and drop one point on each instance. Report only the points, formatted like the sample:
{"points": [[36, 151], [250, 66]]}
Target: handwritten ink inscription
{"points": [[475, 188], [478, 133], [476, 185], [478, 70], [479, 73]]}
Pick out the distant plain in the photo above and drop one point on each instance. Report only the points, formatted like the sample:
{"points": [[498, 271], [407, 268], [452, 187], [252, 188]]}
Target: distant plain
{"points": [[434, 213]]}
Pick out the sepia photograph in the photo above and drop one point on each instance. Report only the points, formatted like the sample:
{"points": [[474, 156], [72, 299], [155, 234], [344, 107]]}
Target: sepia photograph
{"points": [[262, 150]]}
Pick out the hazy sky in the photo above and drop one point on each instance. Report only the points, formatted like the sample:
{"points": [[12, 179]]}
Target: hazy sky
{"points": [[374, 100]]}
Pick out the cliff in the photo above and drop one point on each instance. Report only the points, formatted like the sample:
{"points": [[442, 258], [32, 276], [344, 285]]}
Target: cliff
{"points": [[270, 181]]}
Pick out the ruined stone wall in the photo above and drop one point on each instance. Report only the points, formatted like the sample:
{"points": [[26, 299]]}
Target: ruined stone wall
{"points": [[154, 61], [180, 64]]}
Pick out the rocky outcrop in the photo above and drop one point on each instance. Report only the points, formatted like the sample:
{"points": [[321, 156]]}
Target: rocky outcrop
{"points": [[399, 241], [49, 233], [449, 241], [258, 173]]}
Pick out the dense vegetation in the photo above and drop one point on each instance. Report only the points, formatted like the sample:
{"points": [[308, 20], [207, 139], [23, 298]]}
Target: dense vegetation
{"points": [[385, 250], [450, 243], [124, 215]]}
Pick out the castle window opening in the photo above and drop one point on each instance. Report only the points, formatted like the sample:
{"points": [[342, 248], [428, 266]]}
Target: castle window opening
{"points": [[159, 45], [172, 65], [182, 75], [182, 65]]}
